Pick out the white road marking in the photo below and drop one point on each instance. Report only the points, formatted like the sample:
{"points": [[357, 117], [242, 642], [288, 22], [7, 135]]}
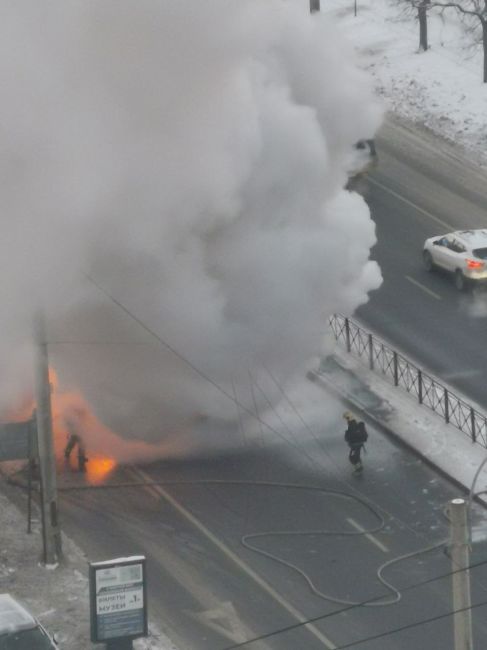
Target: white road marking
{"points": [[446, 225], [224, 619], [461, 374], [421, 286], [299, 616], [370, 537]]}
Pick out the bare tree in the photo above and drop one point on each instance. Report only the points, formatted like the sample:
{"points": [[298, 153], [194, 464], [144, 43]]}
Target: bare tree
{"points": [[421, 7], [468, 9], [423, 24], [476, 9]]}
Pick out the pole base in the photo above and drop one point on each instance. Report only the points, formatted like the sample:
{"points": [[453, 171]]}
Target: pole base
{"points": [[119, 644]]}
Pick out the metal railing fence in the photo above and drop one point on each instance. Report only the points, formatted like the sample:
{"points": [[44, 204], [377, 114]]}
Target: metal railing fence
{"points": [[402, 373]]}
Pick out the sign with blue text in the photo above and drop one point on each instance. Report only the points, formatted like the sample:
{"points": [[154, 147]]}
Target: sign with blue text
{"points": [[118, 599]]}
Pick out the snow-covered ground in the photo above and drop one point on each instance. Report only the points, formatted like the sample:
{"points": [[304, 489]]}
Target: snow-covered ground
{"points": [[442, 89], [58, 596]]}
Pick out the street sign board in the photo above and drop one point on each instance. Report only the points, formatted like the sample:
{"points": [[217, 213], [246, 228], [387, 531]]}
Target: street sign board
{"points": [[118, 599], [17, 440]]}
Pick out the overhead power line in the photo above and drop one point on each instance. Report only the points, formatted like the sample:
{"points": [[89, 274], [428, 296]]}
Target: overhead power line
{"points": [[410, 626], [374, 637], [255, 415], [317, 619], [188, 363]]}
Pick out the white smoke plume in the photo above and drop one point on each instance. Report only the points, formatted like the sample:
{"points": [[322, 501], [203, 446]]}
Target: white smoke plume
{"points": [[186, 159]]}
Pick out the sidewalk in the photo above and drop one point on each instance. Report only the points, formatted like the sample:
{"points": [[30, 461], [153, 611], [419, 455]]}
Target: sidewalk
{"points": [[399, 415], [57, 596]]}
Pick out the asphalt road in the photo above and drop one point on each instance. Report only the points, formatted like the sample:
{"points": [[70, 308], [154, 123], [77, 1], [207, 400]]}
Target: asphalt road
{"points": [[236, 551], [210, 591], [417, 192]]}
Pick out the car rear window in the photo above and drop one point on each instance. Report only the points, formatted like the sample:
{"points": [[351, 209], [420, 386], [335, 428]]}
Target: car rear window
{"points": [[480, 252]]}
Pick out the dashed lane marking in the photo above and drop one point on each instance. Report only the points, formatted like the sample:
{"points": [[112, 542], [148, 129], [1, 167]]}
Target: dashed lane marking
{"points": [[224, 620], [431, 216], [370, 537], [421, 286], [299, 616]]}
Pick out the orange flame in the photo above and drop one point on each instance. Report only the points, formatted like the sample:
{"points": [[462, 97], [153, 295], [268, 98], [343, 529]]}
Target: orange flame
{"points": [[72, 406], [104, 448], [99, 468]]}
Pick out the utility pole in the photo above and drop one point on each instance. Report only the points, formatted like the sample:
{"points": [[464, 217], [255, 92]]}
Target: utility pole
{"points": [[460, 559], [314, 5], [51, 533]]}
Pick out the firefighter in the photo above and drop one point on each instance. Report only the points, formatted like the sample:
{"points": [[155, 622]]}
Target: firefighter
{"points": [[74, 425], [355, 436]]}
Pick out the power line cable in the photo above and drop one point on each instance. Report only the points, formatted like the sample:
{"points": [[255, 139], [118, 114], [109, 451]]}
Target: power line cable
{"points": [[180, 356], [203, 375], [197, 370], [379, 601], [350, 606], [284, 424], [254, 403], [256, 416], [322, 617], [325, 451], [409, 626], [217, 482], [342, 610], [315, 619]]}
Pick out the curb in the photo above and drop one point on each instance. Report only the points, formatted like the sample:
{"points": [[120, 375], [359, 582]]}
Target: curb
{"points": [[368, 416]]}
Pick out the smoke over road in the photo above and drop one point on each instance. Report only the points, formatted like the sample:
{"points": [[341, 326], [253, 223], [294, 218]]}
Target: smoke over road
{"points": [[189, 158]]}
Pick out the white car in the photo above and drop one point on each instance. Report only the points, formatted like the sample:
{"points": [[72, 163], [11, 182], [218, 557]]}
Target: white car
{"points": [[19, 630], [463, 253]]}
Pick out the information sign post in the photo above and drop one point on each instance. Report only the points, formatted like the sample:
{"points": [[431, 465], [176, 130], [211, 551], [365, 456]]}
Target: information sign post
{"points": [[17, 440], [118, 601]]}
